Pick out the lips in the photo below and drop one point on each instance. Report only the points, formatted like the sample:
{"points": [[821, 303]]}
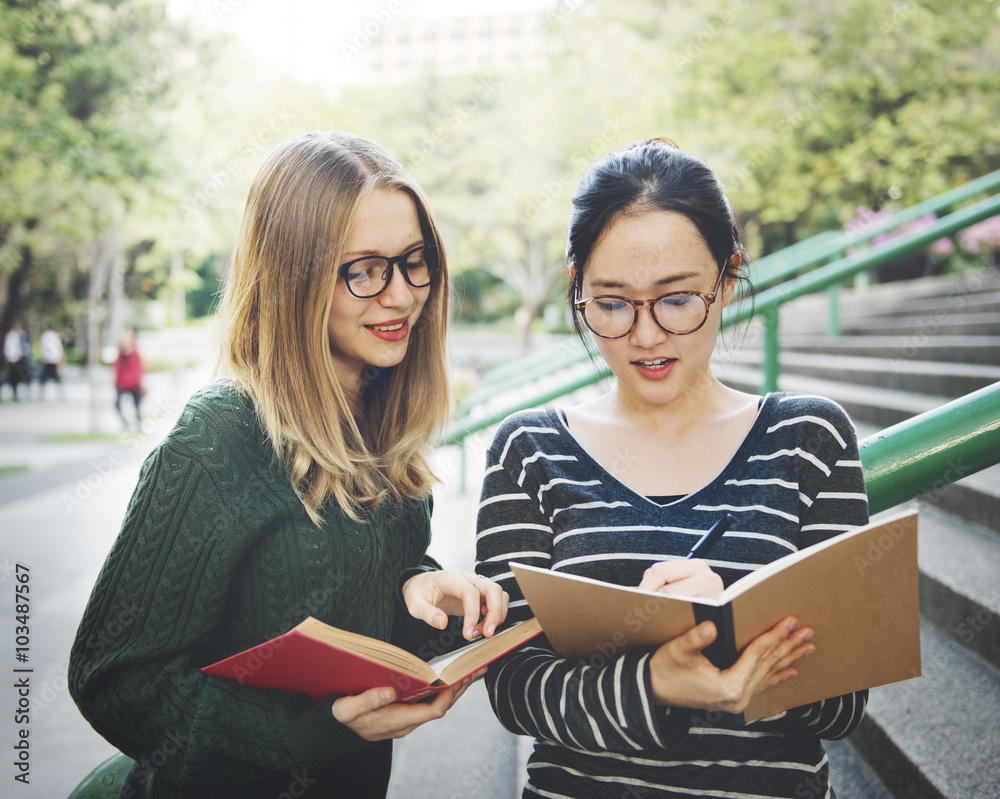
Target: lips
{"points": [[654, 368], [392, 330]]}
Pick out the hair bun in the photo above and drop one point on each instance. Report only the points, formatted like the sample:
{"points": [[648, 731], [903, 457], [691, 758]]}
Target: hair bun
{"points": [[654, 140]]}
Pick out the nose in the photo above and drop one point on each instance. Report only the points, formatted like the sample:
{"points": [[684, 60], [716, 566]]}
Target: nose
{"points": [[646, 333], [399, 293]]}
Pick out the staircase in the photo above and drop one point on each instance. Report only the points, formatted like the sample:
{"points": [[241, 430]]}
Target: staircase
{"points": [[906, 348]]}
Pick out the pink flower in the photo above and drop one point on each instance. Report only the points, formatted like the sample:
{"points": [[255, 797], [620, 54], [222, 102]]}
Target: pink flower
{"points": [[982, 238], [943, 247]]}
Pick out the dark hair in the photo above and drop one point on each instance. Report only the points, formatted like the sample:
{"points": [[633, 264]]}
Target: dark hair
{"points": [[651, 175]]}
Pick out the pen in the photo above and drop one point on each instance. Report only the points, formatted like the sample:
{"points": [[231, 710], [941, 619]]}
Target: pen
{"points": [[707, 541]]}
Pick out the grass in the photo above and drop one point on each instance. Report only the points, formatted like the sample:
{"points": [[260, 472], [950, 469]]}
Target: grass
{"points": [[16, 468]]}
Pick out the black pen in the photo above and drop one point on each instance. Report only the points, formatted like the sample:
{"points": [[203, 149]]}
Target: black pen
{"points": [[707, 541]]}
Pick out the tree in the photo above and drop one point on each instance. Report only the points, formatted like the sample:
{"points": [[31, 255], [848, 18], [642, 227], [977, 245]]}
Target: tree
{"points": [[81, 85], [808, 111]]}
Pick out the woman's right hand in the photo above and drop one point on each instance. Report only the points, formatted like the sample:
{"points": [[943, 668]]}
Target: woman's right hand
{"points": [[375, 715], [683, 677]]}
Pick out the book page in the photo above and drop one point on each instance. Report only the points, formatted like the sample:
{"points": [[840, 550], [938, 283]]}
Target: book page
{"points": [[455, 665], [371, 648], [860, 595]]}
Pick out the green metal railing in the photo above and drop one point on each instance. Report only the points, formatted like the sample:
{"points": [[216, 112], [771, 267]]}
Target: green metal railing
{"points": [[929, 451], [768, 302], [562, 356], [824, 247]]}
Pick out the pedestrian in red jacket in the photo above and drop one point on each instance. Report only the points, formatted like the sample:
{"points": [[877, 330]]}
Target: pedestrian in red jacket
{"points": [[128, 375]]}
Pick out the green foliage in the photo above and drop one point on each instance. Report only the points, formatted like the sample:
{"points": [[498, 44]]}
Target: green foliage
{"points": [[83, 90], [112, 113], [809, 111]]}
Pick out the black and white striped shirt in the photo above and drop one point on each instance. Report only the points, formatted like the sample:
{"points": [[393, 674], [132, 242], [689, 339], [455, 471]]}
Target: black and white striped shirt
{"points": [[795, 480]]}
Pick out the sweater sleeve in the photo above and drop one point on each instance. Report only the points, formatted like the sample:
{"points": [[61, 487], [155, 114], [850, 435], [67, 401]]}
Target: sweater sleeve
{"points": [[597, 704], [832, 501], [134, 668]]}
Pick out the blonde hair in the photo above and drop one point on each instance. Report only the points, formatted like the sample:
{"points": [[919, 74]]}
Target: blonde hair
{"points": [[275, 343]]}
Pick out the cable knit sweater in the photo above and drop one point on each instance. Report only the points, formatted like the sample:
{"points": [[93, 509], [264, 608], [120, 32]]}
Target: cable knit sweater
{"points": [[217, 554]]}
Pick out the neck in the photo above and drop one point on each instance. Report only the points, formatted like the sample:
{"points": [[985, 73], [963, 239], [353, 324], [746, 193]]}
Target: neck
{"points": [[701, 401]]}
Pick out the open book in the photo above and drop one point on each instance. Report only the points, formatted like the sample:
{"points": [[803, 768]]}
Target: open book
{"points": [[858, 591], [317, 659]]}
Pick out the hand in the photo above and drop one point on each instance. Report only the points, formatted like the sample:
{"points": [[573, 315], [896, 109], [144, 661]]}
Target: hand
{"points": [[375, 715], [433, 596], [683, 677], [683, 578]]}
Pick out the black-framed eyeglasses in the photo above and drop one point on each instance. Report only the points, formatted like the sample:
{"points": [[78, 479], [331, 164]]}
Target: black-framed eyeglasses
{"points": [[677, 312], [369, 276]]}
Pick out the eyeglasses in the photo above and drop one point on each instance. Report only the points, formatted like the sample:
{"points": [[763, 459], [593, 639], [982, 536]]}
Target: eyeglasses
{"points": [[679, 312], [369, 276]]}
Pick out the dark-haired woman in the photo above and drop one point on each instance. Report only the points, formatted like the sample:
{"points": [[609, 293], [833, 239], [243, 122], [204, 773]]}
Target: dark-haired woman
{"points": [[620, 487], [296, 484]]}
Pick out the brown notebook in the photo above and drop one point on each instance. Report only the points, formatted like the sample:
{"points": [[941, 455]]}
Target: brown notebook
{"points": [[858, 591]]}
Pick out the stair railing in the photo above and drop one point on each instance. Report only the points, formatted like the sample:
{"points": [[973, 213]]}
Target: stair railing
{"points": [[828, 245], [768, 302], [929, 451]]}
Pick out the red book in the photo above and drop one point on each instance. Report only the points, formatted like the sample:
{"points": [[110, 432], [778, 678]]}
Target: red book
{"points": [[319, 660]]}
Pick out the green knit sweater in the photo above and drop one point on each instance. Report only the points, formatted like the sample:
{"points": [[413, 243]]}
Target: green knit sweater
{"points": [[217, 554]]}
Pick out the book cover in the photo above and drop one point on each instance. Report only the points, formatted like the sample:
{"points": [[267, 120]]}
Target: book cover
{"points": [[858, 591], [320, 660]]}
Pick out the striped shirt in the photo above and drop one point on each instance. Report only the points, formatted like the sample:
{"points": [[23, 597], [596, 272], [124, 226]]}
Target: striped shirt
{"points": [[795, 480]]}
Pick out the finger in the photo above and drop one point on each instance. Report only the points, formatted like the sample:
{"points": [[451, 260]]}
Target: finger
{"points": [[792, 649], [670, 572], [707, 584], [471, 605], [775, 643], [348, 708], [421, 609], [695, 640], [455, 692], [495, 605], [659, 574]]}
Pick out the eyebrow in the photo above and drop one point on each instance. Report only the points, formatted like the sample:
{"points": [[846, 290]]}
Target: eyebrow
{"points": [[355, 254], [666, 281]]}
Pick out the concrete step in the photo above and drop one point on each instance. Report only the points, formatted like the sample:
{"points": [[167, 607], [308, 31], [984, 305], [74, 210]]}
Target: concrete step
{"points": [[959, 590], [902, 292], [969, 297], [859, 305], [943, 322], [975, 498], [924, 377], [937, 736], [897, 349], [881, 407], [927, 306], [851, 775]]}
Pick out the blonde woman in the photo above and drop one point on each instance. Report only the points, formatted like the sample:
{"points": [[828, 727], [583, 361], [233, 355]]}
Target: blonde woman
{"points": [[295, 484]]}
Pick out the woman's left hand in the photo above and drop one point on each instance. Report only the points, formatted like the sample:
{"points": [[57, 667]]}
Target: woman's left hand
{"points": [[435, 595]]}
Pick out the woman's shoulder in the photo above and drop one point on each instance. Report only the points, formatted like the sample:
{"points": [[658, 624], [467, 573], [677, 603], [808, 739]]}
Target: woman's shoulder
{"points": [[808, 418], [217, 418], [789, 405], [531, 420], [524, 427]]}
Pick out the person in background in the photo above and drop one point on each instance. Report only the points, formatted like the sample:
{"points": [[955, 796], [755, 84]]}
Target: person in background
{"points": [[17, 355], [296, 484], [619, 488], [128, 376], [53, 357]]}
